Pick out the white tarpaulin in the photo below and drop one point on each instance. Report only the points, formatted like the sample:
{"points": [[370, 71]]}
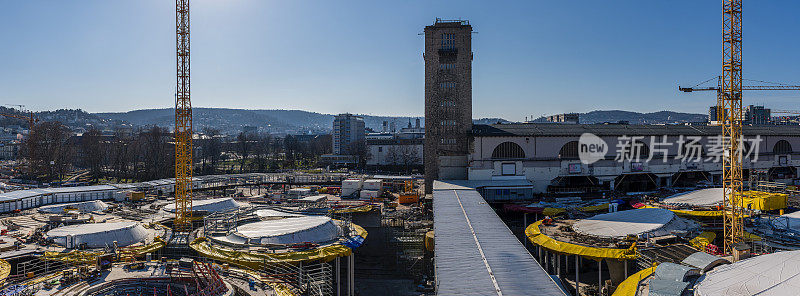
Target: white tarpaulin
{"points": [[652, 221], [702, 197], [86, 206], [99, 235], [209, 205], [765, 275], [315, 229]]}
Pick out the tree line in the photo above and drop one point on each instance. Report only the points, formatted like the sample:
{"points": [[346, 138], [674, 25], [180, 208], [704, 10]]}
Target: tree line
{"points": [[51, 152]]}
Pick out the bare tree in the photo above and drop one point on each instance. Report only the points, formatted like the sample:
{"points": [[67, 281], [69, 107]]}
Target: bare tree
{"points": [[243, 148], [93, 152], [48, 151]]}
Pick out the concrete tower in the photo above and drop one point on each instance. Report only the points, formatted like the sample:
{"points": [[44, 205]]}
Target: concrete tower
{"points": [[448, 99]]}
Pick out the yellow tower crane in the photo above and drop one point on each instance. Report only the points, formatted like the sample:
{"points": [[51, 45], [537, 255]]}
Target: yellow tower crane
{"points": [[731, 101], [183, 122], [729, 114]]}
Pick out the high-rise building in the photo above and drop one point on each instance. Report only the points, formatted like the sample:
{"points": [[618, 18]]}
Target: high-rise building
{"points": [[348, 131], [448, 99], [565, 118], [757, 115]]}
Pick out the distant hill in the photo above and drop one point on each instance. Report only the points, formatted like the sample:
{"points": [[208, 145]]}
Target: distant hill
{"points": [[231, 121], [661, 117]]}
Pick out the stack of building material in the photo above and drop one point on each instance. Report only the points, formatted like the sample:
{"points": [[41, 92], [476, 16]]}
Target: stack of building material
{"points": [[372, 188], [351, 187]]}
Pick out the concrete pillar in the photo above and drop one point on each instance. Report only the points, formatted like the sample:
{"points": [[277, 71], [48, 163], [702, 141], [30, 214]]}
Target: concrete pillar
{"points": [[558, 265], [626, 269], [338, 275], [616, 270], [524, 227], [600, 276], [540, 255], [577, 274], [352, 275]]}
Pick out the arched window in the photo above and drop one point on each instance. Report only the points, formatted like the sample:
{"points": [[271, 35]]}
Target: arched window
{"points": [[569, 151], [782, 147], [508, 150]]}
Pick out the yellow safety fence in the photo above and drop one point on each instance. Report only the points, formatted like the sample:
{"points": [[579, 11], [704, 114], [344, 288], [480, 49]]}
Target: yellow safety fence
{"points": [[281, 289], [361, 209], [87, 257], [260, 260], [535, 236], [74, 257], [559, 211], [5, 270], [158, 243], [701, 241], [690, 213], [630, 286]]}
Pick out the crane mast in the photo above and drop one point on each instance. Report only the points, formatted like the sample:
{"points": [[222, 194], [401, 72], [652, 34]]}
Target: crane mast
{"points": [[730, 97], [183, 122]]}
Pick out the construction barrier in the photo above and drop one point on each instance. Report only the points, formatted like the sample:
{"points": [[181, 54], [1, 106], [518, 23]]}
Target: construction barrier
{"points": [[74, 257], [361, 209], [701, 241], [630, 286], [749, 237], [137, 251], [764, 201], [429, 241], [690, 213], [535, 236], [258, 261], [281, 289], [5, 270], [554, 211]]}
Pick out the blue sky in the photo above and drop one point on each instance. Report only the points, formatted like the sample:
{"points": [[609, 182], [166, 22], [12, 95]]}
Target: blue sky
{"points": [[531, 57]]}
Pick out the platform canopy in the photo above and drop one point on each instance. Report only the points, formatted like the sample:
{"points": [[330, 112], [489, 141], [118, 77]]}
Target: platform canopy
{"points": [[650, 221], [765, 275]]}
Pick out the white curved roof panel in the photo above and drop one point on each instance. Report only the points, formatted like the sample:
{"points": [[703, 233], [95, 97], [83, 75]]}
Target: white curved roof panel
{"points": [[765, 275]]}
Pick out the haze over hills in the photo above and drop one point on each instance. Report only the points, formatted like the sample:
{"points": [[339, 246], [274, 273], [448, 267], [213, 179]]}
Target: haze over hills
{"points": [[231, 121], [273, 121], [661, 117]]}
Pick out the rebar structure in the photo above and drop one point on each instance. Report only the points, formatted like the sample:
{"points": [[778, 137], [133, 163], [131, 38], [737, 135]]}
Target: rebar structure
{"points": [[183, 122], [731, 98]]}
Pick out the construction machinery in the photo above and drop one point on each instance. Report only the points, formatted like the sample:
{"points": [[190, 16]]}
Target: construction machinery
{"points": [[26, 115], [719, 88], [729, 115], [183, 122]]}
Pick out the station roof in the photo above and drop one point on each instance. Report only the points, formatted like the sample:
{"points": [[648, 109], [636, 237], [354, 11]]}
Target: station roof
{"points": [[558, 130], [476, 253]]}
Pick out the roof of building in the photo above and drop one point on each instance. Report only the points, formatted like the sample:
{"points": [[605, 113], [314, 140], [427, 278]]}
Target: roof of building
{"points": [[289, 230], [771, 274], [700, 197], [555, 129], [650, 221], [476, 253], [704, 261]]}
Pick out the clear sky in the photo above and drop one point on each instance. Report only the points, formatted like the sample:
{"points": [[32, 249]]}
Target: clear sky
{"points": [[531, 57]]}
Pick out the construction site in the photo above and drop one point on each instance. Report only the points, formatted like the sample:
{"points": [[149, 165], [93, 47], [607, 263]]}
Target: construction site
{"points": [[525, 208]]}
